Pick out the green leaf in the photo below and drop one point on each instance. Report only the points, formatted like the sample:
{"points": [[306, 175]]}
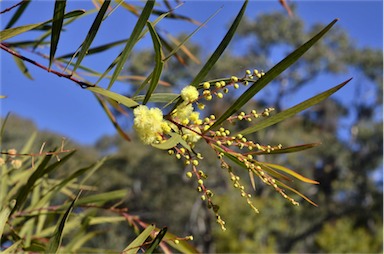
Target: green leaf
{"points": [[290, 172], [132, 40], [102, 197], [295, 191], [57, 24], [41, 170], [293, 110], [106, 219], [270, 75], [182, 246], [158, 97], [220, 49], [152, 247], [17, 14], [4, 214], [169, 143], [155, 77], [135, 245], [114, 96], [23, 68], [91, 33], [55, 241], [12, 32]]}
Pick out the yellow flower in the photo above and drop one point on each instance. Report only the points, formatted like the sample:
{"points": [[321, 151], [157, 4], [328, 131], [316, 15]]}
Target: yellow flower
{"points": [[189, 94], [183, 111], [148, 123], [192, 135]]}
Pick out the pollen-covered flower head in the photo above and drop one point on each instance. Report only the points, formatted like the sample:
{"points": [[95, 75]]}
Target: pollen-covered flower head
{"points": [[189, 94], [148, 123]]}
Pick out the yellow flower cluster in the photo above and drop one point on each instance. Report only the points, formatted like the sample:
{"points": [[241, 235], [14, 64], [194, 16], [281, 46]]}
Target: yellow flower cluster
{"points": [[149, 124]]}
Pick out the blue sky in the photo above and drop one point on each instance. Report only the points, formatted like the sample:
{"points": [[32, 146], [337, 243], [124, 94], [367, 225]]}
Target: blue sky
{"points": [[58, 105]]}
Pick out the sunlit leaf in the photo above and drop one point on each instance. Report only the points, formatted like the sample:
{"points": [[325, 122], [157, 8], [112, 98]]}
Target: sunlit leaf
{"points": [[159, 237], [182, 246], [293, 110], [295, 191], [290, 172], [57, 24], [114, 96], [135, 245], [270, 75], [158, 97]]}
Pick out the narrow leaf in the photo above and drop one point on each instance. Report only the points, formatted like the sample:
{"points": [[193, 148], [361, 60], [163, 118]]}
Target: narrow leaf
{"points": [[295, 191], [57, 24], [220, 49], [41, 170], [159, 237], [91, 33], [158, 97], [132, 40], [135, 245], [158, 63], [114, 96], [102, 197], [270, 75], [17, 14], [4, 214], [290, 172], [182, 246], [11, 32], [293, 110], [55, 241], [23, 68]]}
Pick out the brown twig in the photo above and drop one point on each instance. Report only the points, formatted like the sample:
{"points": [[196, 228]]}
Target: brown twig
{"points": [[67, 76], [14, 6]]}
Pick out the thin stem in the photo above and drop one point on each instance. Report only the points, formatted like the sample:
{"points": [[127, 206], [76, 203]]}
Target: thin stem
{"points": [[10, 8]]}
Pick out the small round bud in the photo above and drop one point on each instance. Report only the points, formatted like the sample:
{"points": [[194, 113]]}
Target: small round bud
{"points": [[206, 85], [189, 174]]}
